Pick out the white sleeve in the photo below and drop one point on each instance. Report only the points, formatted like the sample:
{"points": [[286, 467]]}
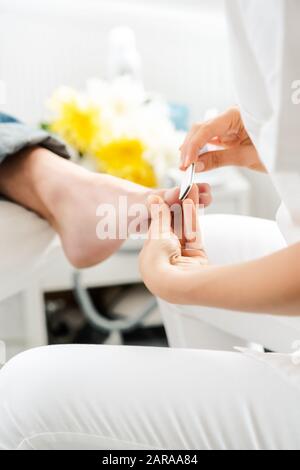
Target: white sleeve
{"points": [[286, 94], [286, 157], [265, 46]]}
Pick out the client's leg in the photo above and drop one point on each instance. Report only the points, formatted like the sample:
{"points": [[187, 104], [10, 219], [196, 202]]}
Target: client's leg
{"points": [[67, 196], [99, 397], [228, 240]]}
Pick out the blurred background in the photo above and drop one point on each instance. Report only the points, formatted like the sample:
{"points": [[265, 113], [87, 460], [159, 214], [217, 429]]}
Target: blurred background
{"points": [[175, 55]]}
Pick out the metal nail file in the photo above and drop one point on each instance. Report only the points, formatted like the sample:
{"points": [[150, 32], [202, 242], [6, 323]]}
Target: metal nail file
{"points": [[187, 182], [189, 177]]}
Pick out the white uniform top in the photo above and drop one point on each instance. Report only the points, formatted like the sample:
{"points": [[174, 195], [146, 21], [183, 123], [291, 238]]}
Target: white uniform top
{"points": [[265, 47]]}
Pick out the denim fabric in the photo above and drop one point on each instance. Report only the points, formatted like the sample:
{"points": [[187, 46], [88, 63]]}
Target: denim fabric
{"points": [[15, 136], [5, 118]]}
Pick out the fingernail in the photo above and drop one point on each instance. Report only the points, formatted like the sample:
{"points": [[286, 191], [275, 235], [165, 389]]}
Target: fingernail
{"points": [[186, 161], [171, 195], [182, 160], [200, 166], [187, 202], [153, 200]]}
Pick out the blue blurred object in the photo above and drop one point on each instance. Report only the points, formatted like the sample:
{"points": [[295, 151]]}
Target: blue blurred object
{"points": [[5, 119], [179, 115]]}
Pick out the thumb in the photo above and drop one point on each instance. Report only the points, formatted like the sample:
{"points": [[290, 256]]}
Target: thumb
{"points": [[160, 217]]}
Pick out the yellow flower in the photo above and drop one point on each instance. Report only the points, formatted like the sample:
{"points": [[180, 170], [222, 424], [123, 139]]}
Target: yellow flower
{"points": [[79, 125], [124, 158]]}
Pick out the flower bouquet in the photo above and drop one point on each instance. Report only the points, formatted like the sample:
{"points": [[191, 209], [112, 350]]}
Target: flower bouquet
{"points": [[117, 128]]}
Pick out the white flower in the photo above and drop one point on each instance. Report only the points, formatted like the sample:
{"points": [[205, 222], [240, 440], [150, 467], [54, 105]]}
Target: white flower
{"points": [[129, 112], [117, 98]]}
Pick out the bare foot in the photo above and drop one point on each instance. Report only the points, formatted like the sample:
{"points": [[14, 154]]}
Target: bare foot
{"points": [[75, 215], [68, 197]]}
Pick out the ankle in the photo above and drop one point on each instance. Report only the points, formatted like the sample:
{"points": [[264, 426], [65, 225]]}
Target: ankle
{"points": [[56, 181]]}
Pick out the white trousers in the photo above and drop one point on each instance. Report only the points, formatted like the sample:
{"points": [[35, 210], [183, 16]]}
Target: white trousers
{"points": [[109, 397]]}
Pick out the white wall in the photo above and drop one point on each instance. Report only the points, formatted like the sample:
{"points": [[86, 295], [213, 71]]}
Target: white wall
{"points": [[46, 43], [183, 44]]}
